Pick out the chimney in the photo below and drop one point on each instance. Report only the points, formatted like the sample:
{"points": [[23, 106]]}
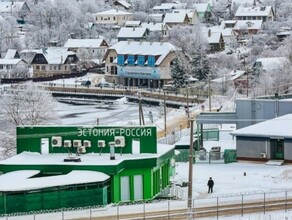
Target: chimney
{"points": [[254, 2], [209, 33]]}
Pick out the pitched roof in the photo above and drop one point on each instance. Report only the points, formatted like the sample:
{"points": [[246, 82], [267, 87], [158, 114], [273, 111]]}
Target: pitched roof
{"points": [[113, 12], [132, 23], [229, 76], [124, 4], [153, 26], [10, 61], [10, 54], [201, 7], [161, 49], [248, 25], [165, 6], [175, 17], [5, 7], [85, 43], [253, 11], [277, 127], [272, 63], [136, 32], [55, 55]]}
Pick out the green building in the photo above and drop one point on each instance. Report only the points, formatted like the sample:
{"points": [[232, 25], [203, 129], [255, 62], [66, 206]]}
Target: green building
{"points": [[77, 166]]}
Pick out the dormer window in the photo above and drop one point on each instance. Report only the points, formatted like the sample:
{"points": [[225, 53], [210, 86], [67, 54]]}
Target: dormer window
{"points": [[121, 59], [141, 60], [131, 59], [151, 61]]}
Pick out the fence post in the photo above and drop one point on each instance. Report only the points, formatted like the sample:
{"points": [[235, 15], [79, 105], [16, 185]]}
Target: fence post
{"points": [[286, 200], [144, 210], [241, 205], [264, 203], [62, 213], [217, 207], [168, 209], [90, 213], [118, 212]]}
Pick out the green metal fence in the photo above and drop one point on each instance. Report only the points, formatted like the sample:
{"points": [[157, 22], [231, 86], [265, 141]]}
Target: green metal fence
{"points": [[54, 198]]}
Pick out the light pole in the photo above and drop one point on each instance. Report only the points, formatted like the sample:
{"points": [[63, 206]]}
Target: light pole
{"points": [[209, 91], [164, 100], [190, 182]]}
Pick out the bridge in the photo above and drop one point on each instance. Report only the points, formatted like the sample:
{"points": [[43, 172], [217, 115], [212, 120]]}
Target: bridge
{"points": [[148, 96]]}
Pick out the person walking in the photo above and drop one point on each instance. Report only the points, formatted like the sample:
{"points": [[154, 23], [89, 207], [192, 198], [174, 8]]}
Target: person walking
{"points": [[210, 184]]}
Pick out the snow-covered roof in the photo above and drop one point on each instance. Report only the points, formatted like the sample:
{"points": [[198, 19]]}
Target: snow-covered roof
{"points": [[211, 35], [229, 76], [113, 12], [153, 26], [248, 24], [271, 63], [124, 4], [157, 17], [55, 55], [201, 7], [5, 7], [10, 54], [21, 180], [10, 61], [253, 11], [175, 17], [135, 32], [84, 43], [165, 6], [277, 127], [144, 48], [132, 23]]}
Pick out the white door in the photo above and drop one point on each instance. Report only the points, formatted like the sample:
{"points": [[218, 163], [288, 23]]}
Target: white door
{"points": [[45, 146], [125, 188], [138, 187]]}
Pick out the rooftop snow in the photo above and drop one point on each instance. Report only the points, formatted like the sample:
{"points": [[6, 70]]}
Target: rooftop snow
{"points": [[5, 7], [175, 17], [55, 55], [277, 127], [22, 179], [10, 61], [144, 48], [253, 11], [135, 32], [85, 43], [113, 12], [248, 24], [10, 54]]}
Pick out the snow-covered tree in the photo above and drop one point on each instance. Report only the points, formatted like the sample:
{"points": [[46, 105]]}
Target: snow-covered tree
{"points": [[178, 74], [24, 105]]}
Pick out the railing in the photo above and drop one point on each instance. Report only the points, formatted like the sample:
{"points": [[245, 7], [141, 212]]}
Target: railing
{"points": [[261, 204]]}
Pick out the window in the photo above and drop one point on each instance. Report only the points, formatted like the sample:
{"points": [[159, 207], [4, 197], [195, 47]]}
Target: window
{"points": [[121, 59], [55, 67], [59, 67], [1, 67], [101, 18], [37, 67], [131, 59], [43, 67], [125, 188], [138, 187], [114, 18], [141, 60], [111, 59], [151, 61], [109, 18], [50, 67]]}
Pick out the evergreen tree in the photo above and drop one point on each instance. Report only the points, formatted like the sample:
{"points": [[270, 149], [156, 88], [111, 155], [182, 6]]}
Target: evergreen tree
{"points": [[178, 74], [200, 64]]}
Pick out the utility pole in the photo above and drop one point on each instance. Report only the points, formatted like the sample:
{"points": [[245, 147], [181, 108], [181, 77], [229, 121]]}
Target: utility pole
{"points": [[188, 112], [190, 183], [164, 99], [209, 91], [141, 116]]}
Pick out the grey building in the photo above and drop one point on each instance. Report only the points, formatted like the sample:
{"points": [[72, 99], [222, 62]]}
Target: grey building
{"points": [[268, 140], [263, 131]]}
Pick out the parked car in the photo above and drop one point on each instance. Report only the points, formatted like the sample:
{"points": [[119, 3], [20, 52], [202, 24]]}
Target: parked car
{"points": [[104, 85], [86, 83]]}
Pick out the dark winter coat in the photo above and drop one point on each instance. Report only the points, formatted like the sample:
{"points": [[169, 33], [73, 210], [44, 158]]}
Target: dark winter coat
{"points": [[210, 183]]}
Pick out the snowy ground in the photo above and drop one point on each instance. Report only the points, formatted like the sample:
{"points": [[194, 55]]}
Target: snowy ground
{"points": [[230, 181]]}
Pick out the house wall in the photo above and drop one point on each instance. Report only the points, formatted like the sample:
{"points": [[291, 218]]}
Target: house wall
{"points": [[288, 150], [6, 70], [113, 19], [44, 70], [252, 147]]}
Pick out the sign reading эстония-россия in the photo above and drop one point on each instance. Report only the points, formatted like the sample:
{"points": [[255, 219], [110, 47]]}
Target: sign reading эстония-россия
{"points": [[133, 132]]}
